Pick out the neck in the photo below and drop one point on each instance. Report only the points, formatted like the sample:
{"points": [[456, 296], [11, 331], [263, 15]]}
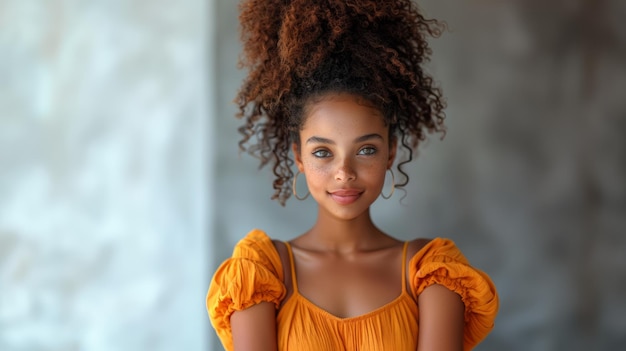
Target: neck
{"points": [[333, 234]]}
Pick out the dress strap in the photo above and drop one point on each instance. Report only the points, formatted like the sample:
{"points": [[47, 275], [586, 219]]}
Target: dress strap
{"points": [[404, 264], [294, 282]]}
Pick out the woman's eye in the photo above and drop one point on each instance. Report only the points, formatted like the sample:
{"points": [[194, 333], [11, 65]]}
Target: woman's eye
{"points": [[367, 151], [321, 153]]}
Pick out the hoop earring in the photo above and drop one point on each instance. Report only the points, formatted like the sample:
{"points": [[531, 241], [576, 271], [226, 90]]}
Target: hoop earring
{"points": [[293, 188], [393, 186]]}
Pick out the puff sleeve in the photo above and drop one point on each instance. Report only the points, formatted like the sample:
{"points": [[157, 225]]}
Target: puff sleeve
{"points": [[252, 275], [441, 262]]}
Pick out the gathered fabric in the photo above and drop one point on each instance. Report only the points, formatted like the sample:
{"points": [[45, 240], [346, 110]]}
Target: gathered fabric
{"points": [[254, 274]]}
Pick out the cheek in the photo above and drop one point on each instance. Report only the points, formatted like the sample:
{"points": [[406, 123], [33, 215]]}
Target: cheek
{"points": [[377, 174], [315, 171]]}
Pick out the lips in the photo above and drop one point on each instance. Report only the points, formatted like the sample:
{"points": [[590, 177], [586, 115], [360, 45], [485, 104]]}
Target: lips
{"points": [[345, 196]]}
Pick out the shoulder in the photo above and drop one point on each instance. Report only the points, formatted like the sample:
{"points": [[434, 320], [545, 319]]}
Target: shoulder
{"points": [[256, 239], [258, 250], [251, 276], [259, 247], [422, 249], [416, 245], [439, 263]]}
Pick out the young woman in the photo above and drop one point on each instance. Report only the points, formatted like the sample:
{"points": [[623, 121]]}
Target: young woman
{"points": [[337, 87]]}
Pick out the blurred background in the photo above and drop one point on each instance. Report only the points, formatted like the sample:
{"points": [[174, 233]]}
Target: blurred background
{"points": [[122, 189]]}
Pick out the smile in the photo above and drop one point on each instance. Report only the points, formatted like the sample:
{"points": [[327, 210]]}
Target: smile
{"points": [[345, 197]]}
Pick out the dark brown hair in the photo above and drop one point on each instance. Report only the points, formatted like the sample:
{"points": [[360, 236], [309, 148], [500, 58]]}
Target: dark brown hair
{"points": [[299, 49]]}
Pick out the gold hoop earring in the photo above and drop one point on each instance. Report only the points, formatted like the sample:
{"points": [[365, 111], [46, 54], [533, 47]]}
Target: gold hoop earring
{"points": [[293, 188], [393, 186]]}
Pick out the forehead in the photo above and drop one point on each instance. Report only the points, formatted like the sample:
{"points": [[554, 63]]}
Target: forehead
{"points": [[343, 114]]}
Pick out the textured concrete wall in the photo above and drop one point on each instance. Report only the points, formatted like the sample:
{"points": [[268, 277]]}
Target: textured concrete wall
{"points": [[104, 175], [530, 180]]}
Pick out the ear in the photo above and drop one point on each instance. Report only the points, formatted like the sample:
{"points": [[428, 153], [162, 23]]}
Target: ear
{"points": [[393, 148], [297, 156]]}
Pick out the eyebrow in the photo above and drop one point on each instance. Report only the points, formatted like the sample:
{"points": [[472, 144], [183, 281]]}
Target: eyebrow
{"points": [[366, 137]]}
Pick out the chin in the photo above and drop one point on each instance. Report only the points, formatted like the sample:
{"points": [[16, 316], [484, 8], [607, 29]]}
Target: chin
{"points": [[346, 212]]}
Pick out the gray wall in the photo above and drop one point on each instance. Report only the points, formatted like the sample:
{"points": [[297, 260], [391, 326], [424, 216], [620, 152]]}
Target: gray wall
{"points": [[530, 180], [121, 186]]}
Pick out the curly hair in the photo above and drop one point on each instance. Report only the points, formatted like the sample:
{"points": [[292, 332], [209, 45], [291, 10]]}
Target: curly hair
{"points": [[297, 50]]}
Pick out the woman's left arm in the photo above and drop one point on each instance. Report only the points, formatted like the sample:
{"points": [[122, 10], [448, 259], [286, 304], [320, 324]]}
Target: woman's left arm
{"points": [[441, 319]]}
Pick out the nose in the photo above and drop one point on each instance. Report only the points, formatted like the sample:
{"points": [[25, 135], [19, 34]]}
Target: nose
{"points": [[345, 171]]}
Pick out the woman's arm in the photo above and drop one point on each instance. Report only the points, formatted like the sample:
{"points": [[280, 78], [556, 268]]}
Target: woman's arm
{"points": [[254, 329], [441, 319]]}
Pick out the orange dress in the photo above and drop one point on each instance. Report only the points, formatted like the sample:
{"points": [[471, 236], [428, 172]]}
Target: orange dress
{"points": [[254, 274]]}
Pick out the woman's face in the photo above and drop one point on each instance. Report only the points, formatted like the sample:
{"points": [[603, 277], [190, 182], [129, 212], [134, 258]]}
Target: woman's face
{"points": [[344, 154]]}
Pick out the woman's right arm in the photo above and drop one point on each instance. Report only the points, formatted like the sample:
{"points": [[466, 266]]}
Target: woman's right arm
{"points": [[254, 329]]}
